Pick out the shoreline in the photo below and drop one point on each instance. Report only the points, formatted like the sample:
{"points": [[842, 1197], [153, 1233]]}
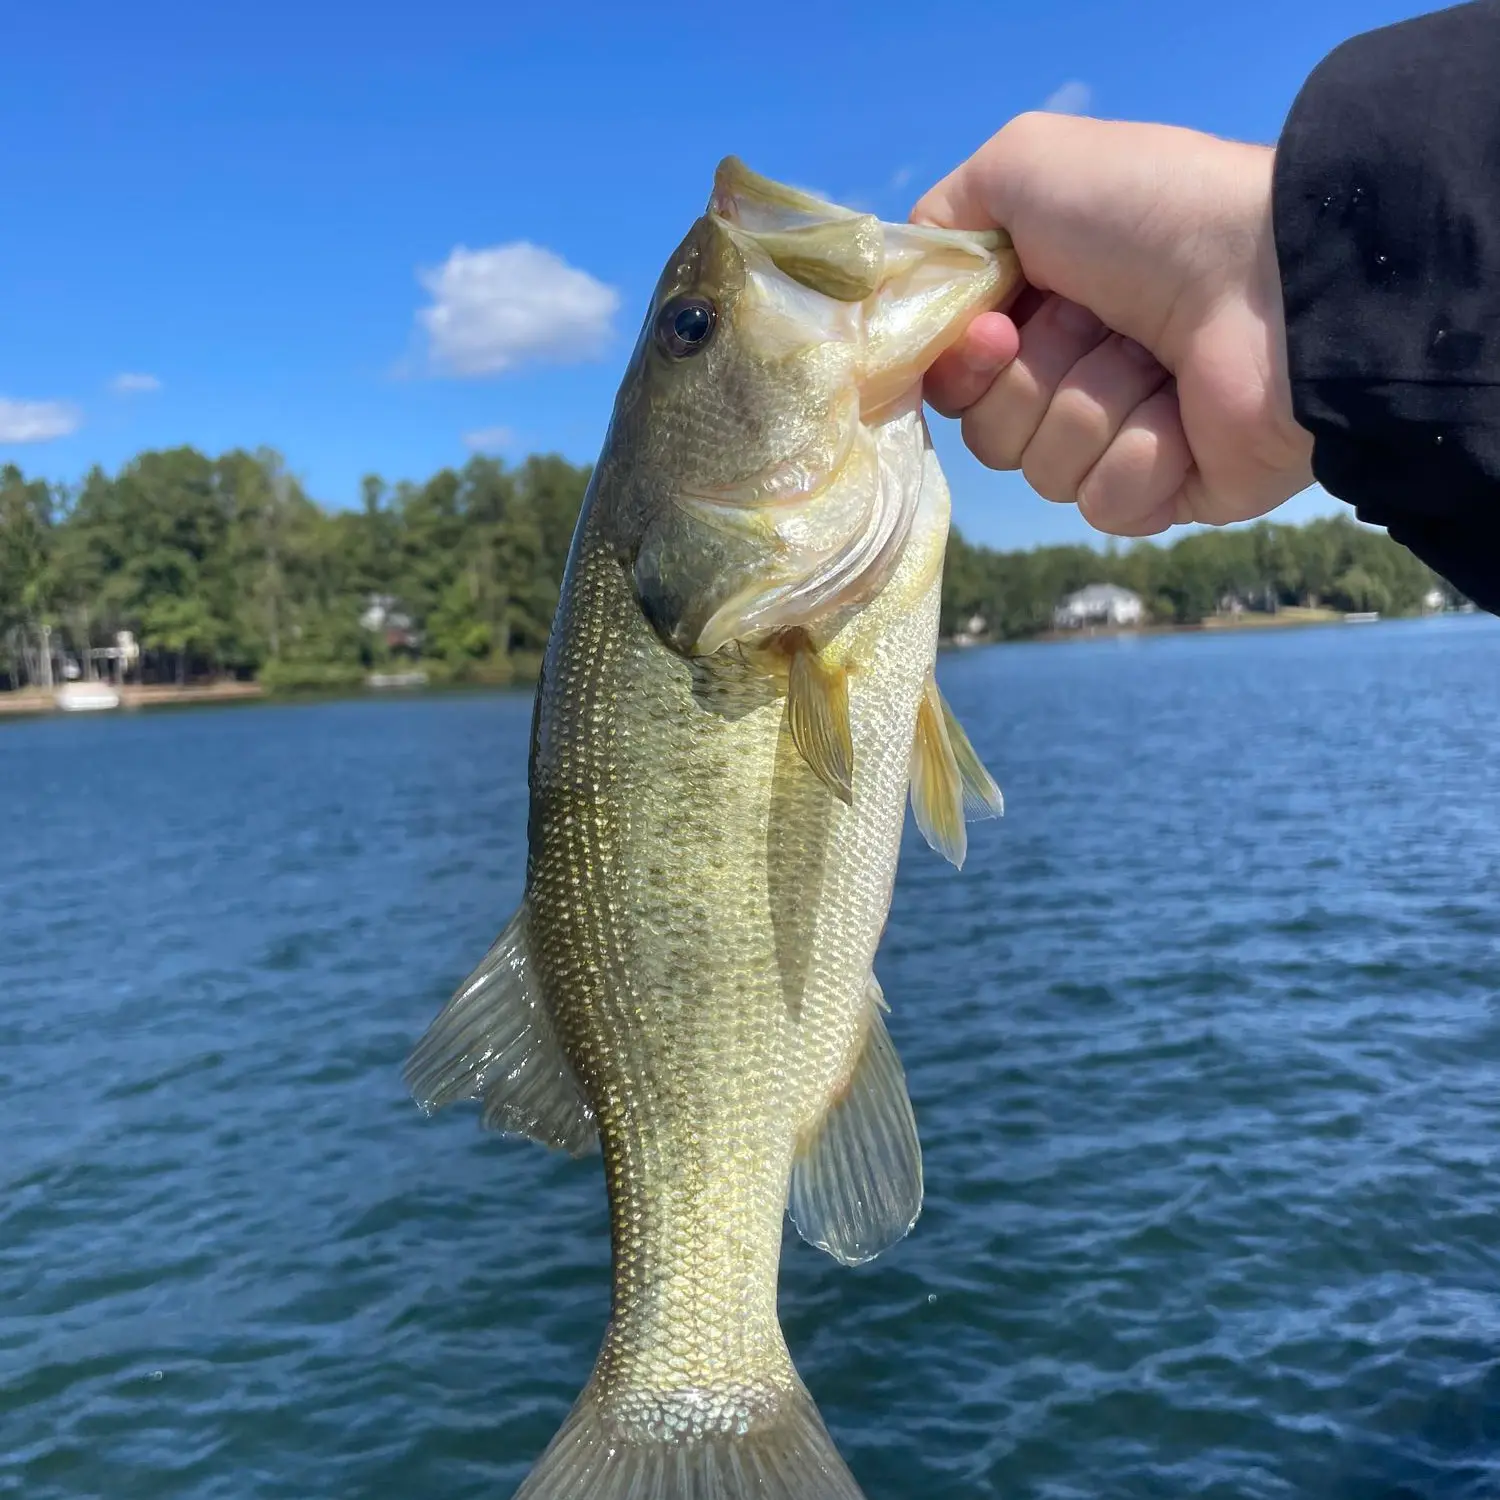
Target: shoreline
{"points": [[36, 702], [31, 701], [1290, 618]]}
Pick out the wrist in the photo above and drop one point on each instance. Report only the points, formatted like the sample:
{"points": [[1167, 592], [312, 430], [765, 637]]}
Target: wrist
{"points": [[1232, 301], [1267, 300]]}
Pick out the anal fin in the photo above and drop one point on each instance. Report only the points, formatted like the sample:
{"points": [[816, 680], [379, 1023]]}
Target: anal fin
{"points": [[948, 780], [857, 1186], [817, 707], [494, 1041]]}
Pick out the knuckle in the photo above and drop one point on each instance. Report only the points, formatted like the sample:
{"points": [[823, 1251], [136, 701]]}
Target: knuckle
{"points": [[944, 396], [1109, 494], [987, 440], [1081, 422], [1024, 129], [1133, 453], [999, 425], [1047, 478]]}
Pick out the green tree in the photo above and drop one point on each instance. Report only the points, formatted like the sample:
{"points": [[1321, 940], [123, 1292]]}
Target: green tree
{"points": [[226, 565], [27, 576]]}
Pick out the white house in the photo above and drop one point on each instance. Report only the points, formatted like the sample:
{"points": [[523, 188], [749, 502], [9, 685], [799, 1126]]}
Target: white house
{"points": [[1099, 604], [383, 615], [971, 631]]}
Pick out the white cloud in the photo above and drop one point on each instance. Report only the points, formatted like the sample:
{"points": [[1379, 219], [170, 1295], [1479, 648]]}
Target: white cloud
{"points": [[508, 305], [489, 439], [899, 178], [1073, 98], [36, 421], [130, 384]]}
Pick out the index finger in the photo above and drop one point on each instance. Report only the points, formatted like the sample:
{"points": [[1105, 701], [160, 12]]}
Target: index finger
{"points": [[966, 371]]}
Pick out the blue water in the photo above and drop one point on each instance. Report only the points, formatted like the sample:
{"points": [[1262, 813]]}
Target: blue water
{"points": [[1204, 1045]]}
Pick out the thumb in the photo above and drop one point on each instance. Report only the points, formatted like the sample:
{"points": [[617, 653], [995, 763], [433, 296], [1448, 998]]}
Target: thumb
{"points": [[959, 201]]}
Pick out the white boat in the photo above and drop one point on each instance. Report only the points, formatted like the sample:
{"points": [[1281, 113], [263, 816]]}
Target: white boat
{"points": [[86, 697]]}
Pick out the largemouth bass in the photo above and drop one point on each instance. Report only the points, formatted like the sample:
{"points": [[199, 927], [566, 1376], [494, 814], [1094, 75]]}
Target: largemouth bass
{"points": [[737, 695]]}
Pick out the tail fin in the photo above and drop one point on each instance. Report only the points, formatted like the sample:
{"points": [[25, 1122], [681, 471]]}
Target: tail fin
{"points": [[785, 1456]]}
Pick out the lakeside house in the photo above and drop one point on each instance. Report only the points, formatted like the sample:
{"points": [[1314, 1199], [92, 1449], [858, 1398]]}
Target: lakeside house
{"points": [[384, 616], [974, 630], [1099, 604]]}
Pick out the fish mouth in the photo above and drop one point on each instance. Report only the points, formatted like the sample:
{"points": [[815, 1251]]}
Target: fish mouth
{"points": [[829, 524], [917, 287], [741, 194]]}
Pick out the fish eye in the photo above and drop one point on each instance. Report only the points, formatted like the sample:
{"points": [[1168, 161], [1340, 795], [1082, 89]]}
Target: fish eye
{"points": [[685, 325]]}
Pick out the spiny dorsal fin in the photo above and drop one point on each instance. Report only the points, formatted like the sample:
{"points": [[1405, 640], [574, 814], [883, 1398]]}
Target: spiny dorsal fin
{"points": [[817, 708], [948, 780], [494, 1041], [857, 1187]]}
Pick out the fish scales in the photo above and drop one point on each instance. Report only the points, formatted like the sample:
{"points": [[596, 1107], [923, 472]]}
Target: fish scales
{"points": [[736, 696]]}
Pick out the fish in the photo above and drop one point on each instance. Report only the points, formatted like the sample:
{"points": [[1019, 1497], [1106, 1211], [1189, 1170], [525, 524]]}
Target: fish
{"points": [[736, 703]]}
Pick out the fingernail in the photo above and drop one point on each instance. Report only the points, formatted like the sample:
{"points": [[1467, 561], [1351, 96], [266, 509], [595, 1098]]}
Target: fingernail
{"points": [[1075, 319]]}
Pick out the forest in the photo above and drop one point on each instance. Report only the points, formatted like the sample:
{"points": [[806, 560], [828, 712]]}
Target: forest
{"points": [[225, 567], [1331, 563]]}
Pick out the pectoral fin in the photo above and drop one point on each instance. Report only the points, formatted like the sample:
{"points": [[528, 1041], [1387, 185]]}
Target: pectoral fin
{"points": [[817, 708], [857, 1186], [494, 1042], [948, 780]]}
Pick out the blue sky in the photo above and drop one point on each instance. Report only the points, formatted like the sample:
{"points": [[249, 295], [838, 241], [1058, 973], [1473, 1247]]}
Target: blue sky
{"points": [[298, 225]]}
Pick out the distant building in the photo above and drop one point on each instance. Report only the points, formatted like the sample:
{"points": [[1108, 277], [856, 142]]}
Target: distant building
{"points": [[971, 632], [383, 616], [382, 612], [1099, 604]]}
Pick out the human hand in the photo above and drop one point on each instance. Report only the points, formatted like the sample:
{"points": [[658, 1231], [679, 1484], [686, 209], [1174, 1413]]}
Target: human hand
{"points": [[1142, 372]]}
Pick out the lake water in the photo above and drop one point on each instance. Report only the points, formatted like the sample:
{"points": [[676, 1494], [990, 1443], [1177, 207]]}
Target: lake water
{"points": [[1204, 1045]]}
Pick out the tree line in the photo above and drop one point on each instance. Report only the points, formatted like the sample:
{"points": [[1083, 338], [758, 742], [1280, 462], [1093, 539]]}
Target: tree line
{"points": [[225, 567], [1331, 563]]}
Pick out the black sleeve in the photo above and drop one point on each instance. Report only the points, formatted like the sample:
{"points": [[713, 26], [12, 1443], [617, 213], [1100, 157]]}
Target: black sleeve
{"points": [[1387, 224]]}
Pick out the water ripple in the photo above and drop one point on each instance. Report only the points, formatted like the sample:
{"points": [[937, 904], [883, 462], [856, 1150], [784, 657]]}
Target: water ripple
{"points": [[1201, 1043]]}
